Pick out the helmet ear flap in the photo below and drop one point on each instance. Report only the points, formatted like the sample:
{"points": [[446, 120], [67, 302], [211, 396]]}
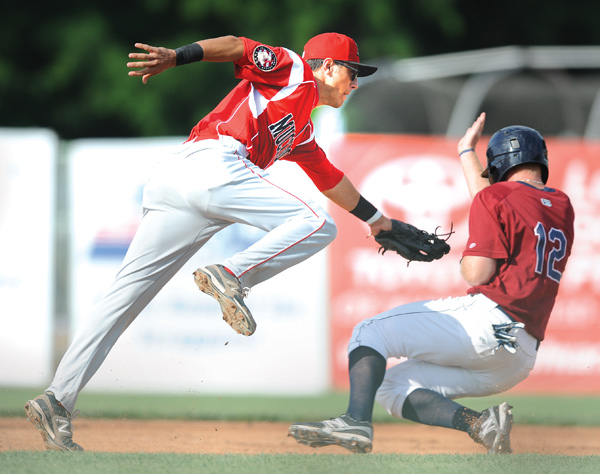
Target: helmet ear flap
{"points": [[492, 174]]}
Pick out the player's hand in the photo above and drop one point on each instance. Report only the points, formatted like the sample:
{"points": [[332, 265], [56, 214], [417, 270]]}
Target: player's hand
{"points": [[472, 135], [383, 223], [152, 62]]}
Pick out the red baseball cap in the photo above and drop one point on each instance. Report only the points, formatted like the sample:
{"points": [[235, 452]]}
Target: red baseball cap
{"points": [[339, 48]]}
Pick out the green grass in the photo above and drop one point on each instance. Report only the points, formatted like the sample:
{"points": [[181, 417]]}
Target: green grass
{"points": [[535, 410], [51, 462]]}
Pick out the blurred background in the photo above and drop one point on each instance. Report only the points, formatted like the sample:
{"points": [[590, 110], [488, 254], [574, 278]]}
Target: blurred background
{"points": [[65, 66], [78, 138]]}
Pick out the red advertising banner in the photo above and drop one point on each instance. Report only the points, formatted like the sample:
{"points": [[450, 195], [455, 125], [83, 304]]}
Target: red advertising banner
{"points": [[418, 179]]}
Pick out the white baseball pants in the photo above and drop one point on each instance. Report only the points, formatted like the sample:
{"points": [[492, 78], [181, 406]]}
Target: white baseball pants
{"points": [[202, 189], [449, 346]]}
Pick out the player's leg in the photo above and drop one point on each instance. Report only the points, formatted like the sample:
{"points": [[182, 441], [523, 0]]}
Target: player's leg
{"points": [[366, 370], [369, 348], [158, 250], [353, 430], [428, 407], [171, 231], [295, 232], [458, 357], [455, 332], [491, 428], [163, 243], [295, 228], [423, 392], [456, 335], [168, 235]]}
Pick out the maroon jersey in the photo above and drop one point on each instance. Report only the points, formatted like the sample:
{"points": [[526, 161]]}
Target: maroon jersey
{"points": [[269, 111], [531, 232]]}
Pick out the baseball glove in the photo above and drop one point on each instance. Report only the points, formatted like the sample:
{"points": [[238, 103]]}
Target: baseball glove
{"points": [[412, 243]]}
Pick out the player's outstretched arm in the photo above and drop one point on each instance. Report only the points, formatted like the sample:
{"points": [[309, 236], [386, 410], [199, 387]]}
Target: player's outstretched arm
{"points": [[404, 239], [155, 60], [345, 195], [469, 161]]}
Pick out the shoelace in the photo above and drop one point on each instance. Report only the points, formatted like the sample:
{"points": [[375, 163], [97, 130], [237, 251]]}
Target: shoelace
{"points": [[335, 423], [74, 416]]}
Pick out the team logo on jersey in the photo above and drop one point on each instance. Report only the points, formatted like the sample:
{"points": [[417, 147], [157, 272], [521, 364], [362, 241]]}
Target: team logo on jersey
{"points": [[284, 133], [264, 58]]}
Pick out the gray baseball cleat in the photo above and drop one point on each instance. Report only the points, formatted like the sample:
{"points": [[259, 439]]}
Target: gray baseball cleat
{"points": [[53, 421], [217, 282], [492, 429], [344, 431]]}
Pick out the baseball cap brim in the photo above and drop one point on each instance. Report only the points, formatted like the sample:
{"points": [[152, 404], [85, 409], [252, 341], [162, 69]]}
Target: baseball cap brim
{"points": [[363, 69]]}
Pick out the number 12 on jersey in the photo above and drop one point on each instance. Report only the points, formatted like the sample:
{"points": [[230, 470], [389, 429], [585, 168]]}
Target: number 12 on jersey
{"points": [[556, 237]]}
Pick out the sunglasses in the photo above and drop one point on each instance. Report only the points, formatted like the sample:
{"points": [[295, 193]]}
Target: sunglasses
{"points": [[354, 73]]}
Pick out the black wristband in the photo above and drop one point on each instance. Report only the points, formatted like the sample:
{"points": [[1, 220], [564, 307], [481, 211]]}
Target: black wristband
{"points": [[190, 53], [364, 210]]}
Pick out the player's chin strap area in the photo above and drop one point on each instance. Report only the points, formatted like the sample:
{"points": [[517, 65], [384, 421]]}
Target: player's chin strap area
{"points": [[504, 338]]}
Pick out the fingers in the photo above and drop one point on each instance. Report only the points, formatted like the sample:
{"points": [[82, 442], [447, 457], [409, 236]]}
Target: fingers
{"points": [[150, 54], [151, 62], [146, 61], [140, 56], [477, 126], [473, 134], [139, 65], [480, 122], [144, 46], [144, 73]]}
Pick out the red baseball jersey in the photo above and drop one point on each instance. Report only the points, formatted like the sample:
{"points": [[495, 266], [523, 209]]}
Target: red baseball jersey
{"points": [[531, 232], [269, 111]]}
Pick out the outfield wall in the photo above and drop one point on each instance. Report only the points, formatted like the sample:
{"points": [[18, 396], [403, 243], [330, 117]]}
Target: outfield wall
{"points": [[305, 315]]}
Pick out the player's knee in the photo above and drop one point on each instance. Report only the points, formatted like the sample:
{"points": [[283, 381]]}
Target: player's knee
{"points": [[323, 229], [391, 396], [366, 335], [329, 229]]}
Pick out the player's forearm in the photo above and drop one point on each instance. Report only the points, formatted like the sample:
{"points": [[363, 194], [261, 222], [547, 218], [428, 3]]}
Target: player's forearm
{"points": [[472, 170], [224, 48], [344, 194], [469, 161]]}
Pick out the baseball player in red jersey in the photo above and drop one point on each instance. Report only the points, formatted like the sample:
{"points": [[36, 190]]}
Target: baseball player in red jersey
{"points": [[215, 179], [520, 237]]}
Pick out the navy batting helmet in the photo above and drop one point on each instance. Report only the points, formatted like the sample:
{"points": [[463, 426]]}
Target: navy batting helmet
{"points": [[513, 146]]}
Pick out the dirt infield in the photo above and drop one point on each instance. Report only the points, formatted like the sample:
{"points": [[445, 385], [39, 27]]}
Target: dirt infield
{"points": [[218, 437]]}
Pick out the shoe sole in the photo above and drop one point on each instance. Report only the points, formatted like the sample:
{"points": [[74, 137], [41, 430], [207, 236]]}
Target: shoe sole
{"points": [[36, 417], [232, 315], [314, 438]]}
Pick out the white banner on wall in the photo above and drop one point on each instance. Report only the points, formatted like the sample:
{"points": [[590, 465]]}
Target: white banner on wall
{"points": [[180, 342], [27, 163]]}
